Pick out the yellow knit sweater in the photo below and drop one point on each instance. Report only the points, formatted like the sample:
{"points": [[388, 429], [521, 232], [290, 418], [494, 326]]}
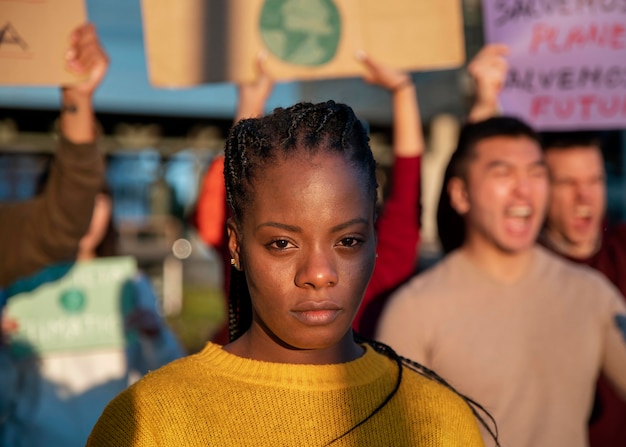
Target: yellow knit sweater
{"points": [[219, 399]]}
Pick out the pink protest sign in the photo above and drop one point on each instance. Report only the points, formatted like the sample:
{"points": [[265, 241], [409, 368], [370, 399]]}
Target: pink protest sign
{"points": [[567, 67]]}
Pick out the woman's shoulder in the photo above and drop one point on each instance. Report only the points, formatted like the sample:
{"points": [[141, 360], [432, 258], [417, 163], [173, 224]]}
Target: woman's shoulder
{"points": [[428, 391], [439, 409]]}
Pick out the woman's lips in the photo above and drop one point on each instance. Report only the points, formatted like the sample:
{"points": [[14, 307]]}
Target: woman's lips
{"points": [[317, 313]]}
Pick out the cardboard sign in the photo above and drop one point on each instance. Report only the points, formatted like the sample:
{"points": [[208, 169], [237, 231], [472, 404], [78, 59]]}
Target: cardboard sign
{"points": [[202, 41], [34, 37], [567, 68], [82, 308]]}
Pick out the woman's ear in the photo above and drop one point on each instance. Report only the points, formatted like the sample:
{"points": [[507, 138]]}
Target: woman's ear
{"points": [[457, 190], [233, 244]]}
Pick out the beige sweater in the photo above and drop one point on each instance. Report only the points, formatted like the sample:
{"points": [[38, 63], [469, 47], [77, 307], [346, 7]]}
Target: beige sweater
{"points": [[529, 352]]}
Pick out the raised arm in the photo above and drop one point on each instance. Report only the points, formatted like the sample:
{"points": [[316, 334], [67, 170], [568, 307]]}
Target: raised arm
{"points": [[86, 57], [212, 210], [46, 230], [211, 206], [398, 224], [252, 96], [488, 70]]}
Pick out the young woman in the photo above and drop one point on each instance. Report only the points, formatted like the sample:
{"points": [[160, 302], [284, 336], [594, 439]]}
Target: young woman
{"points": [[397, 225], [301, 185]]}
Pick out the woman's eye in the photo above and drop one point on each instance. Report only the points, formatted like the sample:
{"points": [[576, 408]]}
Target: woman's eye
{"points": [[350, 242], [280, 244]]}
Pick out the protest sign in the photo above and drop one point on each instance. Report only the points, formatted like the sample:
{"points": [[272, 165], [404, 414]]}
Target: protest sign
{"points": [[34, 37], [203, 41], [83, 308], [567, 68]]}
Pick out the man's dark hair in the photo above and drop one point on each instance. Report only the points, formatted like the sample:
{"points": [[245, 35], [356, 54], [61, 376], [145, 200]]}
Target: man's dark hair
{"points": [[567, 140], [450, 224]]}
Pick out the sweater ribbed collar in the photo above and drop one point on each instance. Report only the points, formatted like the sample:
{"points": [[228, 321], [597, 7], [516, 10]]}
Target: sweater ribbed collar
{"points": [[366, 369]]}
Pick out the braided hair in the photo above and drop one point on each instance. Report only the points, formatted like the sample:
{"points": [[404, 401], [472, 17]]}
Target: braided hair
{"points": [[253, 144]]}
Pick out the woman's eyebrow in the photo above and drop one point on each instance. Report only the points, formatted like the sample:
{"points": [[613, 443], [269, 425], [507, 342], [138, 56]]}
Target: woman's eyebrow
{"points": [[355, 221], [296, 229], [282, 226]]}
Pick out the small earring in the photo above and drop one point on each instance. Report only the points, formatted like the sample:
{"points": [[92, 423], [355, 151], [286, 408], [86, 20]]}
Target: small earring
{"points": [[376, 255], [234, 263]]}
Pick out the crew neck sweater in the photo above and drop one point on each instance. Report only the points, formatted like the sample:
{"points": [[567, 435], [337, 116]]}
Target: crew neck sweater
{"points": [[529, 352], [217, 398], [608, 423]]}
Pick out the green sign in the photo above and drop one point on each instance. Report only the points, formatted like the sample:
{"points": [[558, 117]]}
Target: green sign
{"points": [[82, 309], [301, 32]]}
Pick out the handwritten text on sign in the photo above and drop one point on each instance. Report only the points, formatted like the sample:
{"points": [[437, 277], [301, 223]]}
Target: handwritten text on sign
{"points": [[567, 68]]}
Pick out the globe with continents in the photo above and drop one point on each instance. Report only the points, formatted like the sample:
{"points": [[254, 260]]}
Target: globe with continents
{"points": [[301, 32]]}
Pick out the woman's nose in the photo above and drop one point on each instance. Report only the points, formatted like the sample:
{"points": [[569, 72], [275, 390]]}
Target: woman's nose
{"points": [[317, 270]]}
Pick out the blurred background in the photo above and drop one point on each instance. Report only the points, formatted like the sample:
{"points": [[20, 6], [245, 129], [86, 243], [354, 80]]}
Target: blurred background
{"points": [[159, 142]]}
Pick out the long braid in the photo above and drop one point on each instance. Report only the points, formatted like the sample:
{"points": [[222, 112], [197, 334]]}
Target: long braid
{"points": [[475, 406], [386, 350], [239, 305]]}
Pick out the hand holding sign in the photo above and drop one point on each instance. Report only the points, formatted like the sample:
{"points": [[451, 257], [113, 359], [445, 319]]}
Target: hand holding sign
{"points": [[86, 57], [252, 96], [382, 75], [488, 69]]}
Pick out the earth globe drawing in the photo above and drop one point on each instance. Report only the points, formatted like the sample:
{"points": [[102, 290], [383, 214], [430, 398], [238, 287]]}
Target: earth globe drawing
{"points": [[301, 32], [72, 300]]}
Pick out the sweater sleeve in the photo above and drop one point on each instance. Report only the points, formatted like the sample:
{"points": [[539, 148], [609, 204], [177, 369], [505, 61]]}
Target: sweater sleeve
{"points": [[47, 229], [121, 424], [398, 237], [211, 217]]}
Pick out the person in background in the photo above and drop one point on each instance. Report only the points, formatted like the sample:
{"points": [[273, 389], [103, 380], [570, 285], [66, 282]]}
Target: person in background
{"points": [[70, 221], [156, 343], [46, 229], [301, 184], [398, 224], [504, 320], [576, 226], [74, 387]]}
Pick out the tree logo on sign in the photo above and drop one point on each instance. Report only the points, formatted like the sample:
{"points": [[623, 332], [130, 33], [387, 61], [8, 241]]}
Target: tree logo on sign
{"points": [[301, 32]]}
